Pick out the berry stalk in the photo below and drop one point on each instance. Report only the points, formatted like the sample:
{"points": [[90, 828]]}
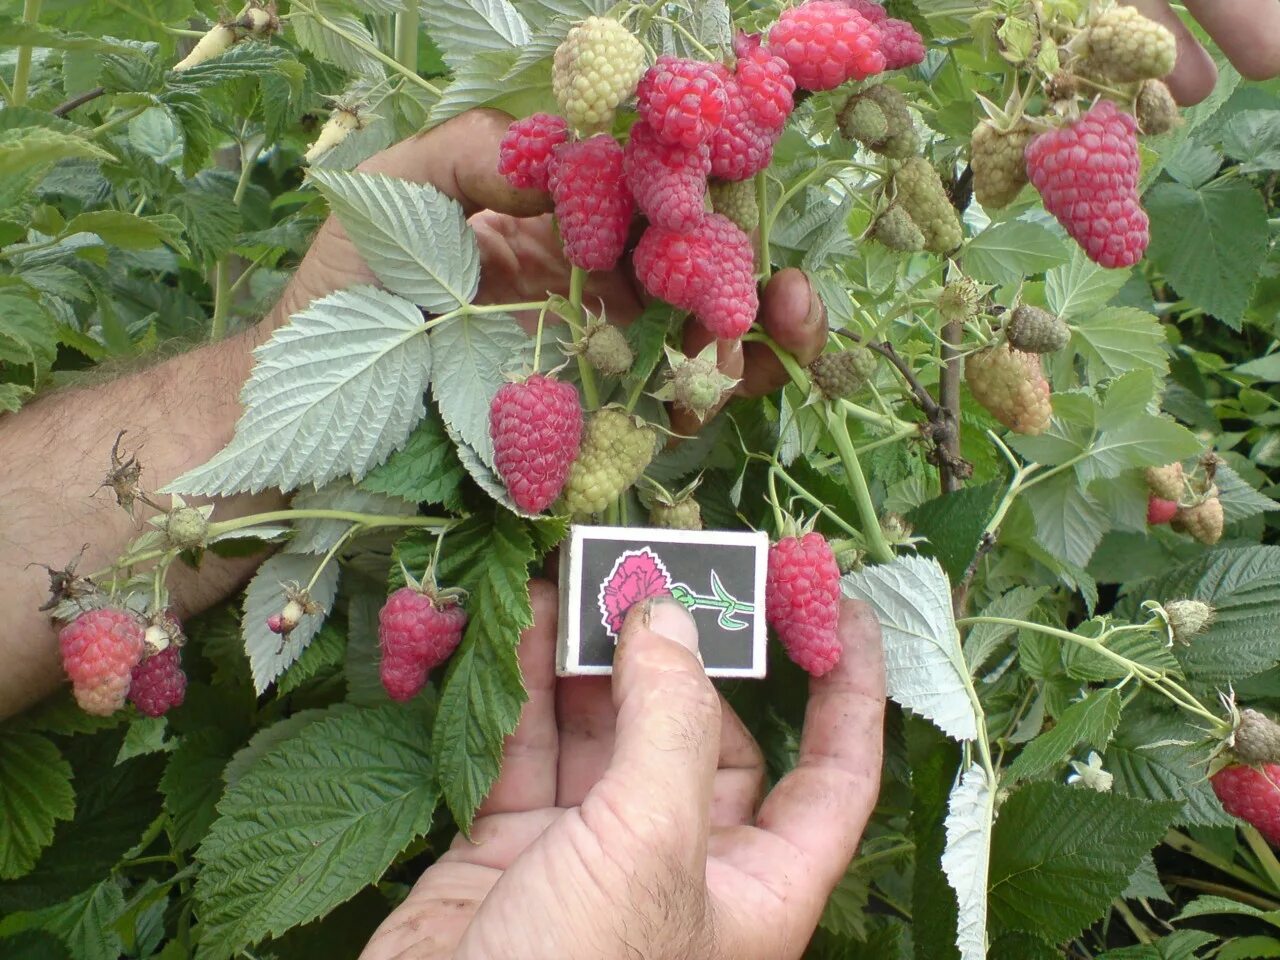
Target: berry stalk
{"points": [[877, 547], [590, 392], [22, 70]]}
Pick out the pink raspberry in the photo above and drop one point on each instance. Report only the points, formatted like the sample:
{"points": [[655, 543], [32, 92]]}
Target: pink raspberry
{"points": [[682, 100], [159, 684], [901, 45], [802, 601], [670, 265], [667, 181], [1087, 175], [740, 148], [728, 304], [826, 43], [525, 151], [536, 427], [869, 9], [99, 650], [760, 100], [767, 86], [592, 203], [416, 632], [1160, 510]]}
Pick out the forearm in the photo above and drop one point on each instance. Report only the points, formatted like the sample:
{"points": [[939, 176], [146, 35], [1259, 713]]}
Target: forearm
{"points": [[55, 454]]}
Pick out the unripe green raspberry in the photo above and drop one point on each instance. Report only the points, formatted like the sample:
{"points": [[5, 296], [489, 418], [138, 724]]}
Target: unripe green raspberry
{"points": [[596, 67], [1167, 482], [607, 350], [999, 164], [185, 528], [1257, 738], [695, 384], [920, 191], [1125, 46], [736, 199], [1036, 331], [1012, 387], [1156, 110], [1187, 618], [615, 450], [958, 301], [899, 140], [897, 231], [844, 373], [849, 556], [863, 120], [683, 515]]}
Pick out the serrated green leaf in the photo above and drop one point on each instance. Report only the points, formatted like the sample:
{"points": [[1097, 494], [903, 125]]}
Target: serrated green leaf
{"points": [[35, 792], [1092, 721], [327, 650], [1009, 251], [923, 662], [414, 238], [1081, 287], [1239, 500], [1179, 945], [17, 33], [1117, 340], [28, 334], [267, 739], [12, 396], [1253, 137], [483, 690], [269, 653], [85, 924], [954, 524], [1069, 521], [425, 470], [489, 80], [1209, 242], [1145, 883], [331, 34], [348, 793], [319, 536], [333, 392], [23, 149], [130, 232], [241, 61], [465, 28], [1060, 854], [191, 783], [984, 638]]}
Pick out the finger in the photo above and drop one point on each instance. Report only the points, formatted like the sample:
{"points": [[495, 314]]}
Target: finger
{"points": [[460, 159], [496, 841], [587, 718], [661, 779], [528, 778], [1248, 31], [1194, 73], [792, 314], [728, 359], [739, 780], [821, 807]]}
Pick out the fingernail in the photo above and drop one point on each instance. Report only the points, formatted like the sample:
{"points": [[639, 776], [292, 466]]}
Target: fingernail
{"points": [[669, 619]]}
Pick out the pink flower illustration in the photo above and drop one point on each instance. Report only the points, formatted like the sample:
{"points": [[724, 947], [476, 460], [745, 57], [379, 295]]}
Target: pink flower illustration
{"points": [[637, 575]]}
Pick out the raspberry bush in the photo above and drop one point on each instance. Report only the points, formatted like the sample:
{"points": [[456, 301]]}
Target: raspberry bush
{"points": [[1041, 442]]}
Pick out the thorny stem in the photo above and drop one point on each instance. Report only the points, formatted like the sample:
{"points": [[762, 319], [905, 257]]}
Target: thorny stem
{"points": [[368, 48], [877, 547], [22, 71], [577, 281]]}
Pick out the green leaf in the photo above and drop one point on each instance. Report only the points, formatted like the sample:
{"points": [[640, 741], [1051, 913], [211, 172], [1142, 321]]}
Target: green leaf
{"points": [[1092, 721], [12, 396], [348, 793], [1239, 500], [335, 36], [1059, 855], [333, 392], [1210, 243], [191, 783], [17, 33], [1120, 339], [130, 232], [984, 638], [923, 662], [320, 536], [35, 792], [1069, 521], [268, 739], [414, 238], [966, 857], [954, 524], [327, 650], [1253, 137], [1081, 287], [28, 336], [1180, 945], [426, 470], [1009, 251], [483, 691], [25, 148], [489, 80], [464, 28], [85, 923]]}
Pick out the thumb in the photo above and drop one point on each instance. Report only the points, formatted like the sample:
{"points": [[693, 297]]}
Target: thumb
{"points": [[667, 742]]}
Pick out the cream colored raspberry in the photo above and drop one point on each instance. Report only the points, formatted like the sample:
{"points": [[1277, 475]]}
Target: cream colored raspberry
{"points": [[1011, 386], [1166, 482], [999, 164], [1125, 46], [1204, 521], [596, 67], [615, 450]]}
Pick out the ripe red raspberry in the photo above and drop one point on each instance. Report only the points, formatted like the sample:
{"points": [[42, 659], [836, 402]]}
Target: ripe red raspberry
{"points": [[901, 45], [728, 305], [416, 633], [1253, 795], [826, 43], [1087, 174], [767, 85], [99, 650], [668, 182], [740, 148], [670, 265], [802, 600], [592, 203], [682, 100], [1160, 511], [159, 684], [536, 427], [525, 150], [871, 10]]}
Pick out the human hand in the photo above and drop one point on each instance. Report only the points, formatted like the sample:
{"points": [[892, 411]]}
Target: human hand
{"points": [[627, 821], [1248, 31], [521, 258]]}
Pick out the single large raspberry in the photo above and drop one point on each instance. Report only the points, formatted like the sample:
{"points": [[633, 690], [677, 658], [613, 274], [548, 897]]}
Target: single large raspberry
{"points": [[417, 632], [760, 98], [159, 683], [672, 266], [615, 450], [669, 182], [1012, 387], [1125, 46], [901, 44], [998, 159], [826, 43], [1034, 330], [1204, 520], [1087, 174], [880, 119], [596, 67], [922, 195], [802, 601], [684, 101], [99, 651], [729, 303], [767, 85], [843, 373], [1253, 795], [592, 203], [535, 427], [524, 154]]}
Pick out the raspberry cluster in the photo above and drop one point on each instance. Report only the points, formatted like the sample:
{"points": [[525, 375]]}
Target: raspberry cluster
{"points": [[105, 653]]}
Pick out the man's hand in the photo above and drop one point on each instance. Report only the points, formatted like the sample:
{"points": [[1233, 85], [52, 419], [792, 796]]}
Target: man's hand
{"points": [[627, 821], [1248, 31]]}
